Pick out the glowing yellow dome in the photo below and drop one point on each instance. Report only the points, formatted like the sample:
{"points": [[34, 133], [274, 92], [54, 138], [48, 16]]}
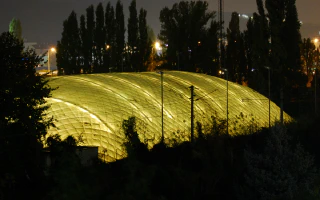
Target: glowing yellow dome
{"points": [[93, 106]]}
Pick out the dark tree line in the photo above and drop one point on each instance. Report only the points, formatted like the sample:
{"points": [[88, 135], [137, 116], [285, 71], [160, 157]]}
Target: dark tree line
{"points": [[190, 39], [98, 43], [266, 165], [272, 39], [271, 43], [275, 46]]}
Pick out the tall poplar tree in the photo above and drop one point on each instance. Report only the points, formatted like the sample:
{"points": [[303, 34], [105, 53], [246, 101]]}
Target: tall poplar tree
{"points": [[84, 45], [62, 52], [15, 28], [257, 49], [276, 15], [68, 49], [308, 55], [292, 36], [99, 39], [260, 38], [74, 43], [278, 54], [233, 48], [181, 28], [256, 57], [133, 35], [110, 25], [285, 53], [249, 41], [90, 35], [144, 43], [208, 53], [120, 32]]}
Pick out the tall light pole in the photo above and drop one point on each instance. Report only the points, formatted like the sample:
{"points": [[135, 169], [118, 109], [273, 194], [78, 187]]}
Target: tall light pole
{"points": [[315, 91], [162, 132], [316, 40], [221, 23], [269, 91], [226, 71], [192, 114], [52, 50]]}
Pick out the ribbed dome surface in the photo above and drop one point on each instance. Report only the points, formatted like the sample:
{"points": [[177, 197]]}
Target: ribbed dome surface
{"points": [[93, 106]]}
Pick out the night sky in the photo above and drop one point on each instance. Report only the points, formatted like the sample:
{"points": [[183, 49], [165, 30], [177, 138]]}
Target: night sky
{"points": [[42, 19]]}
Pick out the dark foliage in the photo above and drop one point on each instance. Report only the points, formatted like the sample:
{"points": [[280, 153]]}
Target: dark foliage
{"points": [[184, 28], [262, 165], [99, 39], [68, 49], [23, 123], [119, 34]]}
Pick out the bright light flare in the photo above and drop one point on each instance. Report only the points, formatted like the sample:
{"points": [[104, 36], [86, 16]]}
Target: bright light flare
{"points": [[157, 46]]}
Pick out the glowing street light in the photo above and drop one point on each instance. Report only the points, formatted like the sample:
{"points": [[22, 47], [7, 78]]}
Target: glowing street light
{"points": [[52, 50], [157, 46], [316, 42]]}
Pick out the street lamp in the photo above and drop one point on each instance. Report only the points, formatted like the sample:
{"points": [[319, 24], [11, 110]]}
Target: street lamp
{"points": [[316, 40], [157, 45], [269, 91], [226, 71], [315, 90], [52, 50], [162, 133]]}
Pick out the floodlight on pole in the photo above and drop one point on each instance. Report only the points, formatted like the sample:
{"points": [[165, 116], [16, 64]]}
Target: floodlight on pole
{"points": [[315, 91], [52, 49], [162, 131], [157, 46], [226, 71], [267, 67]]}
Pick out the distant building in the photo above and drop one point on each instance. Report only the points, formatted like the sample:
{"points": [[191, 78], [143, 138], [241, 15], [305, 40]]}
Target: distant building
{"points": [[49, 58]]}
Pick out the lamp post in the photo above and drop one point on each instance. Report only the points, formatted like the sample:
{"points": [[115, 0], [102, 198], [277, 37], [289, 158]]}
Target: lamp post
{"points": [[52, 50], [157, 46], [315, 91], [154, 51], [316, 40], [269, 91], [226, 71], [162, 132]]}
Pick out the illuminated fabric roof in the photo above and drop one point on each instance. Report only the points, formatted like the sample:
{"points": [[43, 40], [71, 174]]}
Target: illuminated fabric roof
{"points": [[93, 106]]}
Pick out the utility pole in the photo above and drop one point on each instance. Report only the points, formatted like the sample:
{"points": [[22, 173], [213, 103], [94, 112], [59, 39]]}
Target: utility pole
{"points": [[269, 97], [269, 84], [227, 103], [192, 114], [281, 105], [315, 91], [48, 61], [162, 135], [226, 72]]}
